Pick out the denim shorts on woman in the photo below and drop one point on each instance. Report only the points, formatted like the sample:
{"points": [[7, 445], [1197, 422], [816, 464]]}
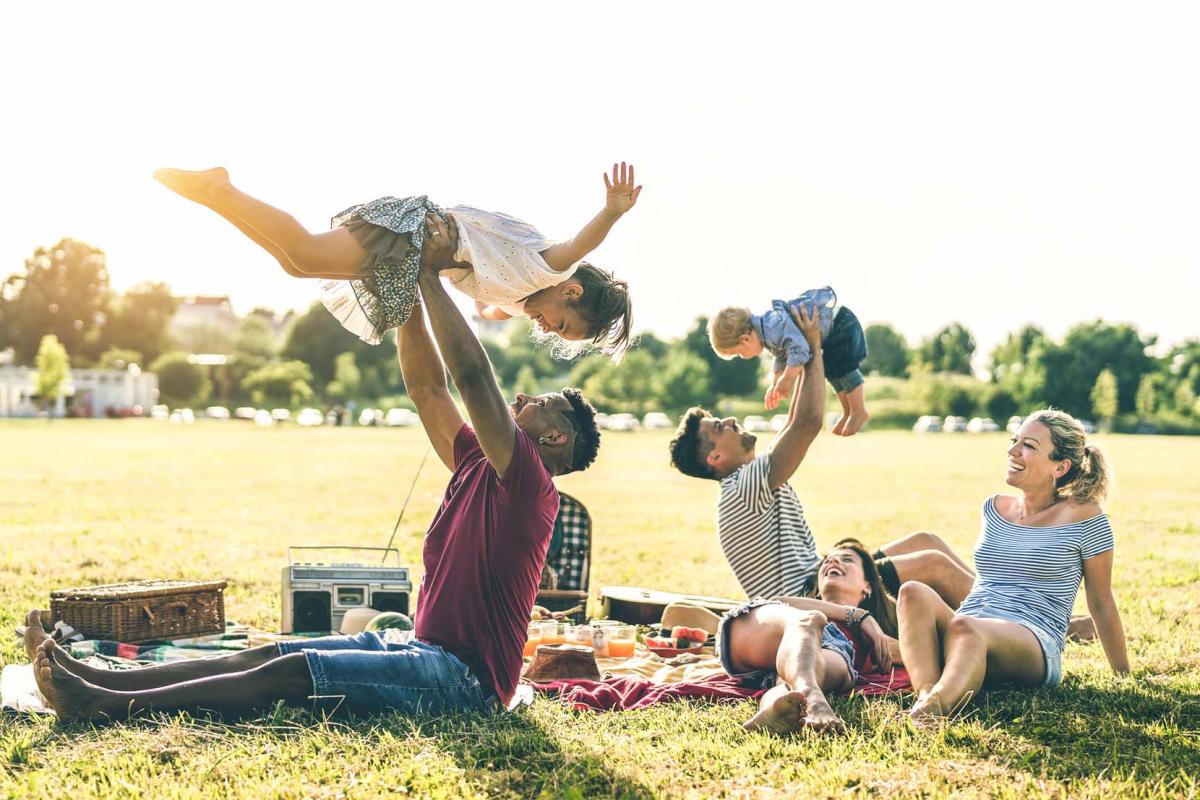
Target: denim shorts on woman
{"points": [[1051, 655], [832, 638], [366, 673]]}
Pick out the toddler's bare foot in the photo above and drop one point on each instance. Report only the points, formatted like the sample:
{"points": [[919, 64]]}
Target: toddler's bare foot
{"points": [[820, 717], [69, 696], [854, 423], [784, 714], [34, 634], [200, 186], [840, 425]]}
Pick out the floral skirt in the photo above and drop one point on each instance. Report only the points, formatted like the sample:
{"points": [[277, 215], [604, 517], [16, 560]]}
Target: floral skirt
{"points": [[392, 231]]}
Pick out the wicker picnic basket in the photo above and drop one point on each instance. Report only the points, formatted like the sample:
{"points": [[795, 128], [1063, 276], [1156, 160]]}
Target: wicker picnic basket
{"points": [[142, 611]]}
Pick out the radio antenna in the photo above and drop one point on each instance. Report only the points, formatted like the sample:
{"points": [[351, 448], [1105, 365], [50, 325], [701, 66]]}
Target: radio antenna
{"points": [[403, 507]]}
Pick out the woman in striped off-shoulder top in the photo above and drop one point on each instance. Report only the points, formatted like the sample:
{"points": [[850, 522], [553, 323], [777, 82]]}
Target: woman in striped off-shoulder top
{"points": [[1032, 552]]}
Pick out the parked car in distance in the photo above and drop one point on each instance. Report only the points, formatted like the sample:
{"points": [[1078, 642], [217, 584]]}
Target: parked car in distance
{"points": [[370, 416], [263, 418], [244, 412], [982, 425], [183, 416], [622, 422], [216, 412], [756, 424], [954, 425], [602, 420], [1014, 423], [1088, 426], [928, 424], [281, 414], [778, 421], [309, 417], [401, 418], [656, 420], [159, 412]]}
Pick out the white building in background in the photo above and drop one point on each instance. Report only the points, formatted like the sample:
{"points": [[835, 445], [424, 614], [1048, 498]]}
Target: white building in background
{"points": [[203, 312], [87, 392]]}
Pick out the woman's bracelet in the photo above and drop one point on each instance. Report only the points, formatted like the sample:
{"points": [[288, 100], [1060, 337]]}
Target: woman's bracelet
{"points": [[855, 615]]}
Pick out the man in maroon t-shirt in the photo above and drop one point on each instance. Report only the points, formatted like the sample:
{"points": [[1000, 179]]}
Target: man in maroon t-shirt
{"points": [[483, 557]]}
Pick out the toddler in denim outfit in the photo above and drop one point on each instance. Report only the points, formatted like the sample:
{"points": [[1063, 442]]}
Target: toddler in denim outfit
{"points": [[736, 332]]}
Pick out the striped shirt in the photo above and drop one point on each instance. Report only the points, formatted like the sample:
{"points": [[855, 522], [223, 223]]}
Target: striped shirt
{"points": [[1031, 575], [763, 532]]}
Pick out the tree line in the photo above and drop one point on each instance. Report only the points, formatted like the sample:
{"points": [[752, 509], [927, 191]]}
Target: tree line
{"points": [[1099, 370]]}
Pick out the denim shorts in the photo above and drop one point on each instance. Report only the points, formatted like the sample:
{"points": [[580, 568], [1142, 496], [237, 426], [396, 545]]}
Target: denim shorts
{"points": [[844, 349], [366, 673], [832, 638], [1051, 655]]}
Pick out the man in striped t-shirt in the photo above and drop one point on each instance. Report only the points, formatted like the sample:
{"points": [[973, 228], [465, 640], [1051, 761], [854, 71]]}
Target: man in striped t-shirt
{"points": [[760, 521]]}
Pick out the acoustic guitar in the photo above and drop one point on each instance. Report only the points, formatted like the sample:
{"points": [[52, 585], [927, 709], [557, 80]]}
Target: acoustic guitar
{"points": [[638, 606]]}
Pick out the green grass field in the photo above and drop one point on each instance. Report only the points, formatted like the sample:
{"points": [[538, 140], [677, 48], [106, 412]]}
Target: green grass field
{"points": [[104, 501]]}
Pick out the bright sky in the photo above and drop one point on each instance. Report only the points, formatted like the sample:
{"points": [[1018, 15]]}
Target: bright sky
{"points": [[932, 161]]}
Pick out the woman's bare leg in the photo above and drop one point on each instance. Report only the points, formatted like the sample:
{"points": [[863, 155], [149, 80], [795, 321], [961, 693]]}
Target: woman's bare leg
{"points": [[284, 678], [335, 254], [923, 617], [976, 648], [790, 641], [923, 540]]}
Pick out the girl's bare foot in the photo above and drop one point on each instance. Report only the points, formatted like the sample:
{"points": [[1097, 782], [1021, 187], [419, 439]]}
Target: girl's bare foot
{"points": [[927, 712], [784, 714], [35, 634], [840, 425], [200, 186], [854, 423], [820, 717], [70, 696]]}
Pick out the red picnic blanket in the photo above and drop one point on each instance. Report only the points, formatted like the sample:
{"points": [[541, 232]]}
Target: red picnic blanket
{"points": [[628, 694]]}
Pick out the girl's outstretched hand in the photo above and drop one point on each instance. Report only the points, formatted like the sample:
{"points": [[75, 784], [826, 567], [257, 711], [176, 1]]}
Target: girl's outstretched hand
{"points": [[622, 189]]}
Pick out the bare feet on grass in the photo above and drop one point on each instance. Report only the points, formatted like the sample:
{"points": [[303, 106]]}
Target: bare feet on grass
{"points": [[71, 697], [927, 712], [200, 186], [783, 714], [789, 712], [35, 634]]}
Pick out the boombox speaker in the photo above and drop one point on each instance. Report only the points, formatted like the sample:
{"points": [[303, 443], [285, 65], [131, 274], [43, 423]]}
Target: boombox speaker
{"points": [[317, 594]]}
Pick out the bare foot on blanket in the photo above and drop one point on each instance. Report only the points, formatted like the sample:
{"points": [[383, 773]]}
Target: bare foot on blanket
{"points": [[70, 696], [35, 634], [781, 714], [200, 186]]}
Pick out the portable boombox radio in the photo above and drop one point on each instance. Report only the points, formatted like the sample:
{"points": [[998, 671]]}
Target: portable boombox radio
{"points": [[316, 595]]}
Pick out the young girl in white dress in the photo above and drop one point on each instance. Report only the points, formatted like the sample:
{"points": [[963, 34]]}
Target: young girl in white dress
{"points": [[371, 258]]}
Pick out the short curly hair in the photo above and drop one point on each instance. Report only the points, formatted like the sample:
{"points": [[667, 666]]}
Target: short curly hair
{"points": [[689, 450], [726, 327], [587, 434]]}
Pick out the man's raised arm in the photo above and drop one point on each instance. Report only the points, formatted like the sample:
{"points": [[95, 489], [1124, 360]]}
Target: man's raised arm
{"points": [[425, 382], [808, 406], [467, 361]]}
